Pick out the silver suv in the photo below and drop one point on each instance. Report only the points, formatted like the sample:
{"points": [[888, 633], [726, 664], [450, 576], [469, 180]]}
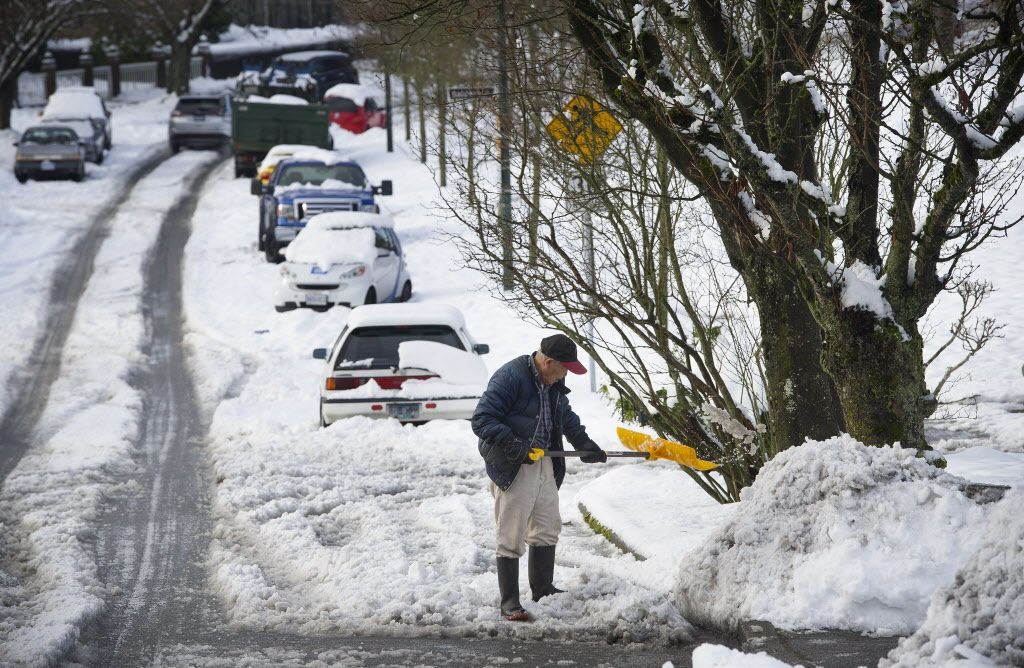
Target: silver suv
{"points": [[200, 121]]}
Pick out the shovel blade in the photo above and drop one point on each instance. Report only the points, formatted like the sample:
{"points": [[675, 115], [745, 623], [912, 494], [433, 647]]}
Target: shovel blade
{"points": [[659, 448]]}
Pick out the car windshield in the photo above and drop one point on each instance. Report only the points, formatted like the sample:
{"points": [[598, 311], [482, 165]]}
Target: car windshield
{"points": [[377, 347], [199, 106], [49, 136], [314, 174]]}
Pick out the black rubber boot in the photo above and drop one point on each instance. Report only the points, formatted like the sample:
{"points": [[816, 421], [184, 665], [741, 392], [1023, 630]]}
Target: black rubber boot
{"points": [[508, 585], [542, 571]]}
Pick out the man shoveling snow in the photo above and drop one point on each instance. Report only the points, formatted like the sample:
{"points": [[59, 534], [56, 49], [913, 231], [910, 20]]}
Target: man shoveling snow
{"points": [[525, 408]]}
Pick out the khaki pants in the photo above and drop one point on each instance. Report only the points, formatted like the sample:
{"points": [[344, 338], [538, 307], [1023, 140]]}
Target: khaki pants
{"points": [[528, 512]]}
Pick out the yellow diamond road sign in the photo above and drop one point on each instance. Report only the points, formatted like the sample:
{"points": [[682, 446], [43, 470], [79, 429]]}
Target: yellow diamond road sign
{"points": [[584, 128]]}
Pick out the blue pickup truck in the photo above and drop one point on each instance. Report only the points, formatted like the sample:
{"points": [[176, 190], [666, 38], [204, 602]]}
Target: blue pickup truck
{"points": [[301, 188]]}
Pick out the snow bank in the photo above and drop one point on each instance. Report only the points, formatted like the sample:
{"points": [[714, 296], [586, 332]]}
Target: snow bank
{"points": [[451, 364], [718, 656], [978, 620], [835, 534], [326, 247], [254, 39], [278, 98], [655, 509]]}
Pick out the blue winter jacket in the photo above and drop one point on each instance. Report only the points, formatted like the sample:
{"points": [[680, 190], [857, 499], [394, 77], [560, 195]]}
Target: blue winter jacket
{"points": [[506, 418]]}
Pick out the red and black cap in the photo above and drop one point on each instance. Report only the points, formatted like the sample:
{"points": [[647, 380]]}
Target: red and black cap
{"points": [[560, 347]]}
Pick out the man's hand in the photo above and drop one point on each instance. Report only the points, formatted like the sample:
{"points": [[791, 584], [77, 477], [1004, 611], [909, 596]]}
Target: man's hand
{"points": [[596, 455]]}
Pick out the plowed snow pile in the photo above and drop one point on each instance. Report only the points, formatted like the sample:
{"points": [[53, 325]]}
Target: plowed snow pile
{"points": [[978, 620], [834, 534]]}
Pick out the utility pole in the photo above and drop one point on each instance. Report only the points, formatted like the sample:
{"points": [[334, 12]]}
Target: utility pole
{"points": [[504, 158], [583, 200], [387, 108]]}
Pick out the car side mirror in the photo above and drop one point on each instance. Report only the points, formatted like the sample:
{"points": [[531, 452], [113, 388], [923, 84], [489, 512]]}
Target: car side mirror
{"points": [[256, 186], [481, 348], [385, 188], [268, 189], [17, 142], [320, 353]]}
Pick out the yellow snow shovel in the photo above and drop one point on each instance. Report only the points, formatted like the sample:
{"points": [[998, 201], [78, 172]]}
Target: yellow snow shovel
{"points": [[642, 446], [659, 448]]}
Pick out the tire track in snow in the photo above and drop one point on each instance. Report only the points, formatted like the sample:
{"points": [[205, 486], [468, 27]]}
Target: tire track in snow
{"points": [[17, 427], [152, 545]]}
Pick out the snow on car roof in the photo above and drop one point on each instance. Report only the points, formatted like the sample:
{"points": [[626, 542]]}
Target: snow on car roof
{"points": [[376, 315], [306, 55], [354, 92], [66, 104], [314, 154], [342, 220]]}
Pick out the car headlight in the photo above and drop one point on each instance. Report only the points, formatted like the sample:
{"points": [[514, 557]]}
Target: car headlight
{"points": [[286, 211], [355, 271]]}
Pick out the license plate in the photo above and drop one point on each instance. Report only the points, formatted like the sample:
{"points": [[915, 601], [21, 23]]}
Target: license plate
{"points": [[404, 411], [47, 166], [316, 299], [198, 117]]}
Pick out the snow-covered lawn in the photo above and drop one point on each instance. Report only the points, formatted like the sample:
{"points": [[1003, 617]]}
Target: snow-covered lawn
{"points": [[85, 438], [41, 220]]}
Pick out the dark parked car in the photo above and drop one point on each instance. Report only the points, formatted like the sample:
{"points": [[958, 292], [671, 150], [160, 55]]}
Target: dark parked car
{"points": [[49, 151], [308, 74], [200, 121], [90, 133]]}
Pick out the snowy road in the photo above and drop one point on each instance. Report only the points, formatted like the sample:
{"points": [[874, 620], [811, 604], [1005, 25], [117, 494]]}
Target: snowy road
{"points": [[29, 399]]}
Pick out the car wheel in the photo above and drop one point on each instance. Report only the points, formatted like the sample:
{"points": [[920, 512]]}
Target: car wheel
{"points": [[406, 292], [284, 308], [99, 157], [238, 171], [371, 297], [323, 420], [21, 178], [175, 147], [261, 243], [270, 248], [80, 174]]}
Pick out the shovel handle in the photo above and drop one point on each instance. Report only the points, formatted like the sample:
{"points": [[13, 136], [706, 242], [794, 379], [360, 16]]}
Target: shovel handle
{"points": [[537, 453]]}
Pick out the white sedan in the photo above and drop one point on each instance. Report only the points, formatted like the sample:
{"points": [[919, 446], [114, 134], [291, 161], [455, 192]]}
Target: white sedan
{"points": [[346, 258], [412, 362]]}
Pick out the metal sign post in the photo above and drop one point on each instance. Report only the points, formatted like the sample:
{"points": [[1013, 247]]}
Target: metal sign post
{"points": [[585, 129], [578, 185]]}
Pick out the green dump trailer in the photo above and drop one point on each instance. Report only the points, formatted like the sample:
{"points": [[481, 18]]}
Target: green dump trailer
{"points": [[256, 127]]}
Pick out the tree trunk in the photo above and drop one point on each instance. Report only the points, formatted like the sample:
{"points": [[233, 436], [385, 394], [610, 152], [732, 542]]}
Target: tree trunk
{"points": [[8, 94], [179, 67], [880, 380], [802, 399]]}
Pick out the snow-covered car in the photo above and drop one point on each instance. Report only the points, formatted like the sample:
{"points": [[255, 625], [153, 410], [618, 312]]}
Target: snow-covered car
{"points": [[274, 156], [307, 74], [90, 134], [49, 151], [200, 121], [344, 258], [411, 362], [75, 103], [356, 107]]}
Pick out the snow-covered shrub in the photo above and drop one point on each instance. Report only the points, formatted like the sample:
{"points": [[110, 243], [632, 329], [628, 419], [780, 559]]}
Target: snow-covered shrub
{"points": [[978, 620], [834, 534]]}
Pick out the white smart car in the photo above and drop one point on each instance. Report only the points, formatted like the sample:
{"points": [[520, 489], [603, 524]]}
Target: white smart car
{"points": [[347, 258], [412, 362]]}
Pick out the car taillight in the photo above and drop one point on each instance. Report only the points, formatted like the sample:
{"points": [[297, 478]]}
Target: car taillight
{"points": [[344, 383], [175, 113], [430, 404], [395, 382]]}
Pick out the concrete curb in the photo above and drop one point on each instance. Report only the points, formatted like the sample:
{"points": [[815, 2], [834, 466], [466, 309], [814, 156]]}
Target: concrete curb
{"points": [[608, 534]]}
